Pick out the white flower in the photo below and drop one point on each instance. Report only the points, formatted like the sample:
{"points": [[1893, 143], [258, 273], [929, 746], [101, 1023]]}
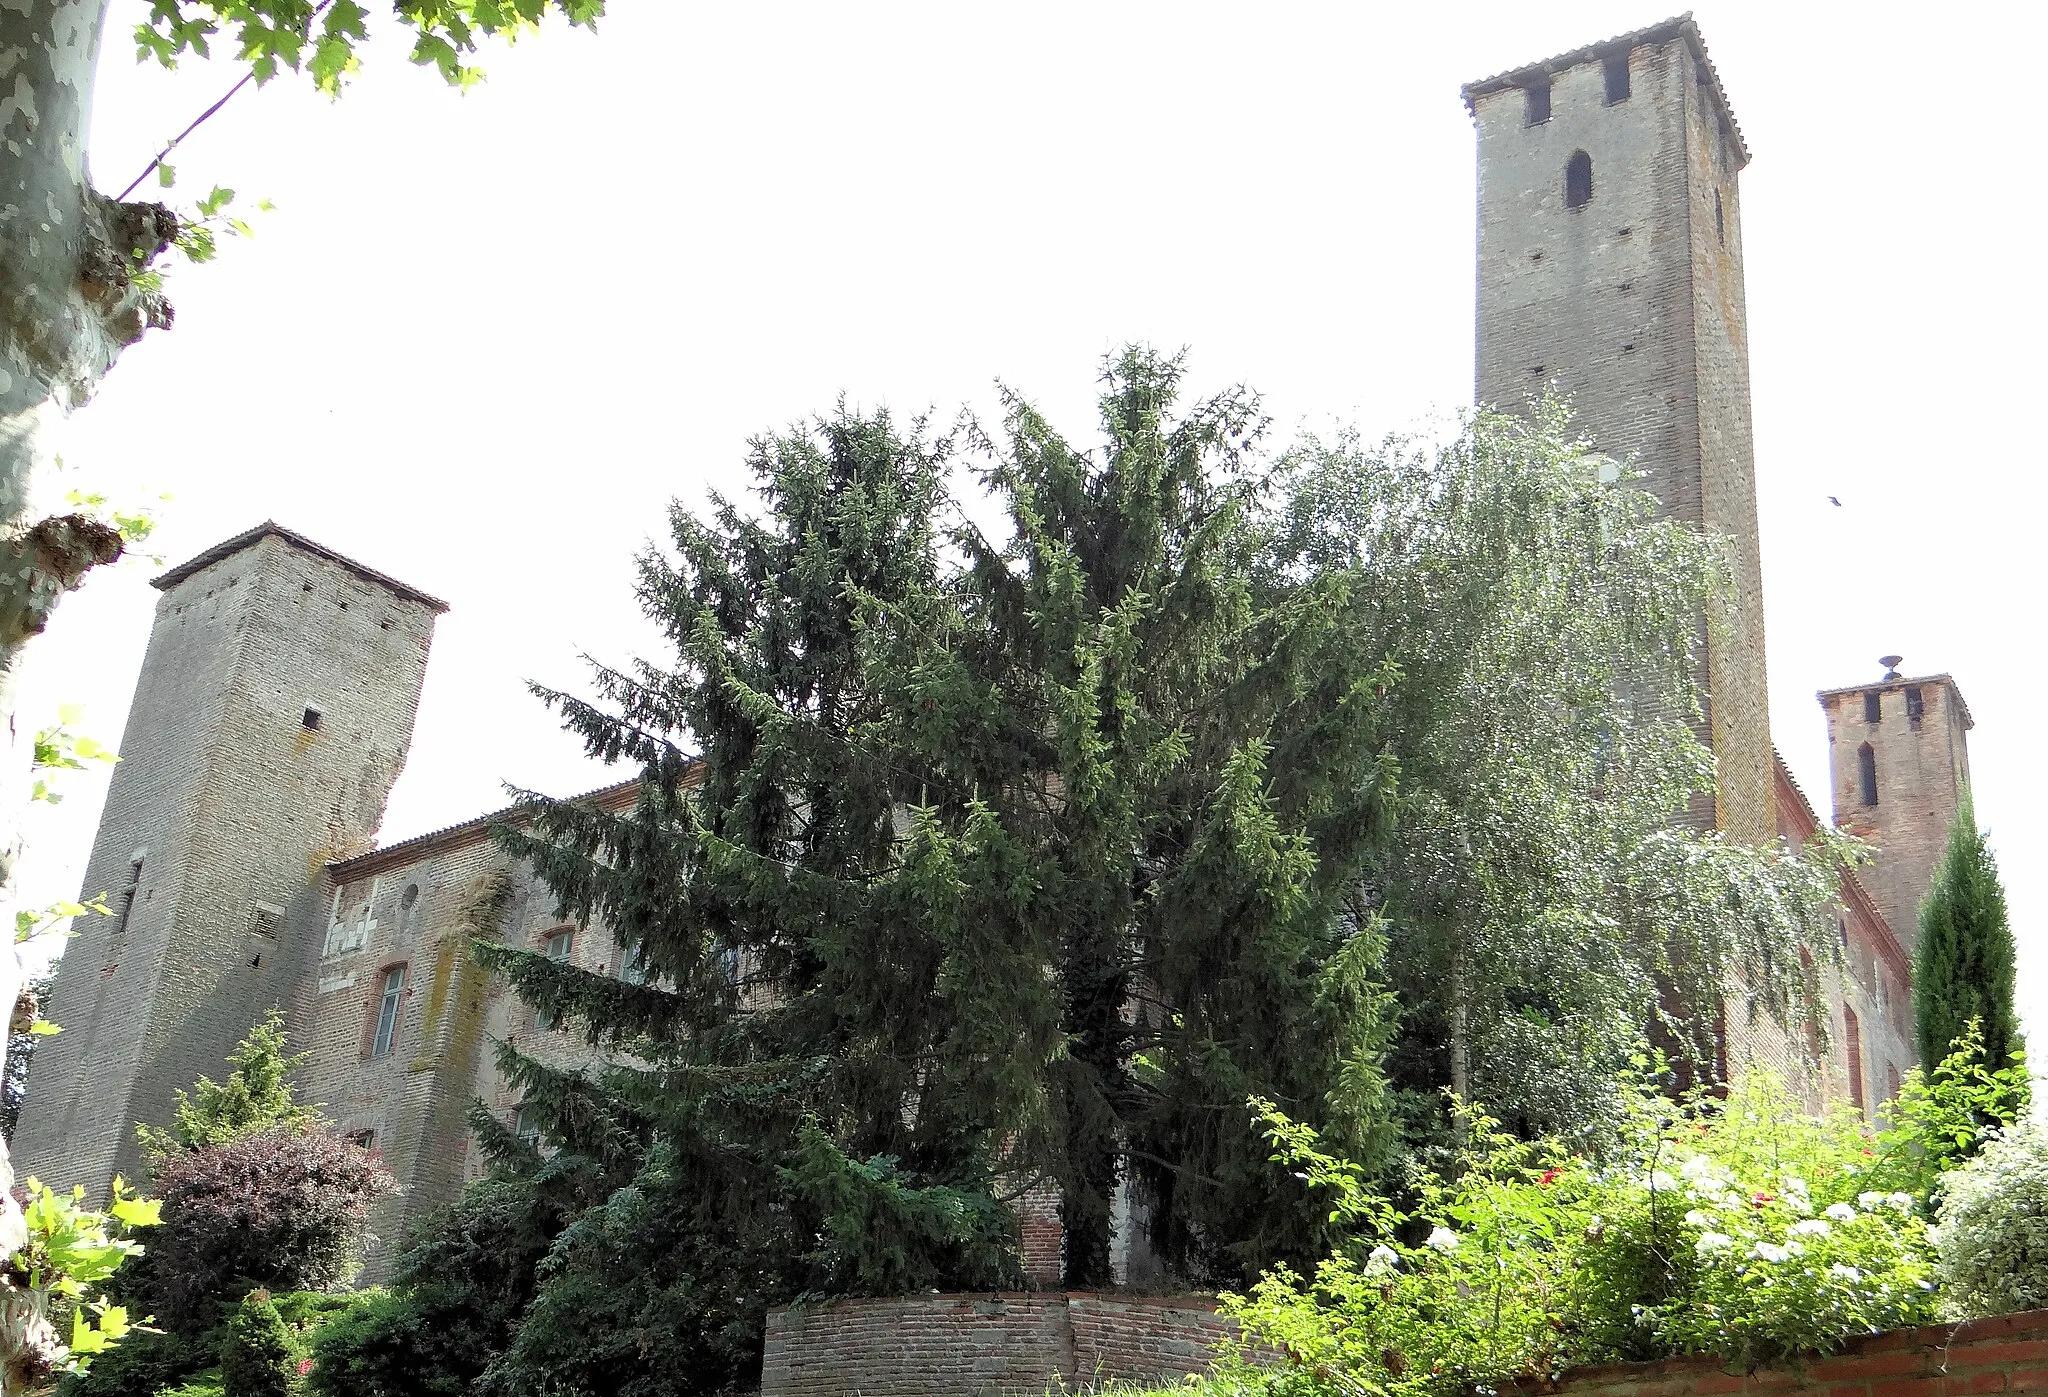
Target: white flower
{"points": [[1841, 1212], [1381, 1258], [1695, 1218], [1711, 1242], [1902, 1201], [1794, 1184], [1847, 1273], [1868, 1201], [1662, 1181], [1443, 1240], [1811, 1227], [1768, 1252]]}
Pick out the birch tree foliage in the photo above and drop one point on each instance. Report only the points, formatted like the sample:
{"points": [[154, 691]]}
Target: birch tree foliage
{"points": [[1543, 904]]}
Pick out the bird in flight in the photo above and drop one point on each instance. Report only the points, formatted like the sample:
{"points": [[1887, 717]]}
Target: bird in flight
{"points": [[1835, 502]]}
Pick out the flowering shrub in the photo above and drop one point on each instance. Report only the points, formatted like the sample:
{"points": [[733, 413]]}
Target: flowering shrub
{"points": [[1993, 1237], [1735, 1228]]}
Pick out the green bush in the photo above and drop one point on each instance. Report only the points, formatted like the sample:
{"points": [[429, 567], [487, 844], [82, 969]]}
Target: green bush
{"points": [[375, 1348], [259, 1354], [1739, 1228], [1992, 1243]]}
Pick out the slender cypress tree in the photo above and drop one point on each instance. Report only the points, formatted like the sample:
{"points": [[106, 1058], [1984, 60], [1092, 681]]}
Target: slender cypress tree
{"points": [[1965, 963]]}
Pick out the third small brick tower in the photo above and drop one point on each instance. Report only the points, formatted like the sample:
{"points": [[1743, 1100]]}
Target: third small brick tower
{"points": [[1610, 269], [1900, 754], [274, 711]]}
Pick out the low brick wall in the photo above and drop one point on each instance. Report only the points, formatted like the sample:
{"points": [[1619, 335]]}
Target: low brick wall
{"points": [[2005, 1354], [985, 1345], [1019, 1345]]}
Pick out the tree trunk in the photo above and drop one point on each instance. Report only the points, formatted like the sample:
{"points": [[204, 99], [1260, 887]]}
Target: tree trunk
{"points": [[73, 294]]}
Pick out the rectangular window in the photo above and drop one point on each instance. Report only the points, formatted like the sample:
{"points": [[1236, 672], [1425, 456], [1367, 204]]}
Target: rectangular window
{"points": [[526, 1126], [633, 966], [1866, 773], [364, 1139], [1536, 101], [387, 1011], [1873, 710], [1852, 1040], [1617, 78], [1916, 707], [559, 946]]}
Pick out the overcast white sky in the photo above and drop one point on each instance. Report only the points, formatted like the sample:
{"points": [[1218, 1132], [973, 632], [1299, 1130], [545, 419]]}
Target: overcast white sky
{"points": [[483, 340]]}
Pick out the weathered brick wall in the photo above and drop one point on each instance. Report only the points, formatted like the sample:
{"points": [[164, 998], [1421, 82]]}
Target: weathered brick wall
{"points": [[232, 802], [1025, 1345], [419, 905], [1631, 307], [985, 1345], [2005, 1354]]}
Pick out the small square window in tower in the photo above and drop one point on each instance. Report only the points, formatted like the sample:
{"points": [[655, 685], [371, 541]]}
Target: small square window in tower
{"points": [[311, 721], [1916, 707], [1536, 101], [1873, 707], [1616, 72]]}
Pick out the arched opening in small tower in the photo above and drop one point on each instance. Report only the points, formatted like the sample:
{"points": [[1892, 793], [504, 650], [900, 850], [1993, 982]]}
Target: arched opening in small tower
{"points": [[1578, 180], [1866, 773]]}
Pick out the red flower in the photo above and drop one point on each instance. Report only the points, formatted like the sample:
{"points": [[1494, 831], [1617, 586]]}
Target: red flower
{"points": [[305, 1366], [1763, 1198], [1549, 1176]]}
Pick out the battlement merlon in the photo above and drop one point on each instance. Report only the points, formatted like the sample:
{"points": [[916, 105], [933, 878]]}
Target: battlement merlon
{"points": [[1677, 27]]}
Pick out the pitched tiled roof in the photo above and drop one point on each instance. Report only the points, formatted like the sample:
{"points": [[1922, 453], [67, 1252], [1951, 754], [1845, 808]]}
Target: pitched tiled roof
{"points": [[171, 577]]}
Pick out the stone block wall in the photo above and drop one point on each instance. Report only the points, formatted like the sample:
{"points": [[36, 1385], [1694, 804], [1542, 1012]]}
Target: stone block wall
{"points": [[986, 1345]]}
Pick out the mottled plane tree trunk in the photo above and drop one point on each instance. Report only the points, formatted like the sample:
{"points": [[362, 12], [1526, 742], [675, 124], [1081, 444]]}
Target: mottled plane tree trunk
{"points": [[74, 291]]}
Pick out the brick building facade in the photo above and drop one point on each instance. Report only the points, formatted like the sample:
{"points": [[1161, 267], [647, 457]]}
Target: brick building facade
{"points": [[276, 704]]}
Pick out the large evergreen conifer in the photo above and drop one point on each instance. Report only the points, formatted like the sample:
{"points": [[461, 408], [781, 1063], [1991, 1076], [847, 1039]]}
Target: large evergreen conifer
{"points": [[1965, 962], [967, 858]]}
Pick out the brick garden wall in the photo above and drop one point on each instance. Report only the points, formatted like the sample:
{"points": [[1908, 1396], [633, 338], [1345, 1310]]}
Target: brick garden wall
{"points": [[2005, 1354], [983, 1345], [1023, 1345]]}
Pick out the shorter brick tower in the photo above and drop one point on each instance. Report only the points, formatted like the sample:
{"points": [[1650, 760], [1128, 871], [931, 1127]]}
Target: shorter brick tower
{"points": [[274, 710], [1900, 754]]}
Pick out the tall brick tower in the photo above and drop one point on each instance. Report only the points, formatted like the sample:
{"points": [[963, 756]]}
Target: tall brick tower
{"points": [[274, 711], [1610, 269], [1899, 751]]}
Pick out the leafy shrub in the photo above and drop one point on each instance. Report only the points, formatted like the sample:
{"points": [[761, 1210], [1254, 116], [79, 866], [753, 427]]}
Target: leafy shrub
{"points": [[1735, 1228], [259, 1355], [284, 1210], [1993, 1239], [376, 1347], [457, 1293]]}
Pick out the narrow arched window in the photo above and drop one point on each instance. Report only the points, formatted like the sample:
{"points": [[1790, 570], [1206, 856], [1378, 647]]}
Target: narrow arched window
{"points": [[1866, 771], [1578, 180]]}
